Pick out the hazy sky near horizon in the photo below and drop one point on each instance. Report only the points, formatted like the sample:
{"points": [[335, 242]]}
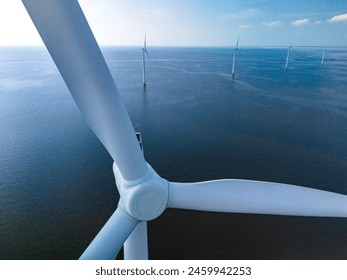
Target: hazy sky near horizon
{"points": [[196, 22]]}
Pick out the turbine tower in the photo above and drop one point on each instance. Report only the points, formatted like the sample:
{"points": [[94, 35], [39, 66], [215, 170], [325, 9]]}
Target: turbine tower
{"points": [[288, 53], [144, 50], [144, 195], [236, 49]]}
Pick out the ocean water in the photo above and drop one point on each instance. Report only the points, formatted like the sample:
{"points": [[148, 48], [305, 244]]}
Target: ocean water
{"points": [[197, 123]]}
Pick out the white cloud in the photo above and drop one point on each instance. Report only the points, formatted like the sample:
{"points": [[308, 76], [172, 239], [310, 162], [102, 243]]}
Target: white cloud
{"points": [[272, 24], [317, 22], [245, 26], [301, 22], [338, 18]]}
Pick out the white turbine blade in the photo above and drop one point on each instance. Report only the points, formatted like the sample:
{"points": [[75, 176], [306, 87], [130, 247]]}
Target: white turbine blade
{"points": [[136, 246], [291, 48], [110, 239], [253, 197], [148, 54], [71, 43], [236, 49]]}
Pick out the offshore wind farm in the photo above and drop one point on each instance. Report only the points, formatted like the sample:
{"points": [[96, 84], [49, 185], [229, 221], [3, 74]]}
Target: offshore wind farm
{"points": [[265, 124], [198, 121]]}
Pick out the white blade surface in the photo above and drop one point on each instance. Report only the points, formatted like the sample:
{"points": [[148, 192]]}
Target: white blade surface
{"points": [[254, 197], [74, 50], [136, 246], [147, 54], [110, 239]]}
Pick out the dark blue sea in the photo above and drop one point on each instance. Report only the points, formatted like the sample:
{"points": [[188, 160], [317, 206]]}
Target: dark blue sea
{"points": [[197, 123]]}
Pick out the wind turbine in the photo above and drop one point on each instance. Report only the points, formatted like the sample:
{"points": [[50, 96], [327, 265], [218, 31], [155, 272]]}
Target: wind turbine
{"points": [[236, 49], [289, 51], [144, 50], [144, 195], [323, 56]]}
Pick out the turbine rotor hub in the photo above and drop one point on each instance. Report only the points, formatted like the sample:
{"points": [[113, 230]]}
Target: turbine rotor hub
{"points": [[145, 198]]}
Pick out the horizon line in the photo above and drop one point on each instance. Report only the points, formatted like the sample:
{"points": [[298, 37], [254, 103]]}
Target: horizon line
{"points": [[185, 46]]}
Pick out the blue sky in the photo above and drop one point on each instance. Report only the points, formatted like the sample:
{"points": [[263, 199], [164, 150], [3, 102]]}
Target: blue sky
{"points": [[196, 22]]}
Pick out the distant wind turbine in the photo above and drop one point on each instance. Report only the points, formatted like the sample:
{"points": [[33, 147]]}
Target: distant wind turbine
{"points": [[323, 56], [288, 53], [144, 50], [236, 49]]}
